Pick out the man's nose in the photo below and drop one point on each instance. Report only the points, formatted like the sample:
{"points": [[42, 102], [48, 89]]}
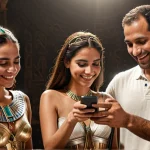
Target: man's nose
{"points": [[136, 51]]}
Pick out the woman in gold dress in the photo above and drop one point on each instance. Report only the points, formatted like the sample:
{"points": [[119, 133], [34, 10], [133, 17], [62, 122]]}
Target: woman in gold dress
{"points": [[15, 111], [78, 71]]}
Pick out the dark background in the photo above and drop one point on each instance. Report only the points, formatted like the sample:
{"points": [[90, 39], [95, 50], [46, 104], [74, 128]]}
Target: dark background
{"points": [[42, 26]]}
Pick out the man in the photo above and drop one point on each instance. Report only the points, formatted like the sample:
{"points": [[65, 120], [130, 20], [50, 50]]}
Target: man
{"points": [[131, 88]]}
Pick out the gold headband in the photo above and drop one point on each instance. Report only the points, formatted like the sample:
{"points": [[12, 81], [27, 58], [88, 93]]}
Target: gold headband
{"points": [[79, 39]]}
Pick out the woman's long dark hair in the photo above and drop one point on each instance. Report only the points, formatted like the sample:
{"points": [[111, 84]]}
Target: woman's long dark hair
{"points": [[60, 76]]}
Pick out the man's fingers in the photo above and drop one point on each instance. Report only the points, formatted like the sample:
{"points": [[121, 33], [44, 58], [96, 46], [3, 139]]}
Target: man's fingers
{"points": [[101, 120], [102, 105], [110, 100], [82, 115], [100, 114]]}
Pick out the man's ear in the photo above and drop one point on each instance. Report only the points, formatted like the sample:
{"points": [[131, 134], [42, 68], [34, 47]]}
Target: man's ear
{"points": [[66, 63]]}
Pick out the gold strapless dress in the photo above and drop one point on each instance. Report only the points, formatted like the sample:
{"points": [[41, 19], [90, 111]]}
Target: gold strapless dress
{"points": [[15, 140]]}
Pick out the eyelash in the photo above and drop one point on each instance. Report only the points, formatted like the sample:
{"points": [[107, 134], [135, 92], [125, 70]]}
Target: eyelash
{"points": [[139, 42], [97, 64], [129, 44], [18, 62], [94, 64], [142, 42]]}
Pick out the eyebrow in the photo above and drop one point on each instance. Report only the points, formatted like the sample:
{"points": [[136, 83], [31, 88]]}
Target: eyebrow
{"points": [[4, 58], [126, 41], [140, 38], [86, 60]]}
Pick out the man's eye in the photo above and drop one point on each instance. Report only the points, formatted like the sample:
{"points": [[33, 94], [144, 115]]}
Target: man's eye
{"points": [[142, 42], [129, 44]]}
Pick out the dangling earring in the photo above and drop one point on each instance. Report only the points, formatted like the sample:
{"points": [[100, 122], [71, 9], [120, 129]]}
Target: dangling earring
{"points": [[13, 86]]}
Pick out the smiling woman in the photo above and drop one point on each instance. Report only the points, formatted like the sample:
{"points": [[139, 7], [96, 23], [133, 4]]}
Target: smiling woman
{"points": [[78, 72], [15, 111]]}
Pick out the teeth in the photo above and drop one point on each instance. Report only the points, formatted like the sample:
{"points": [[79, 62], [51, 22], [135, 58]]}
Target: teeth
{"points": [[87, 77], [8, 77], [143, 56]]}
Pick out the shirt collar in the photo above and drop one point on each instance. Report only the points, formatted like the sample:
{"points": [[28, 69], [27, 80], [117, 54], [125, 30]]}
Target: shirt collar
{"points": [[139, 74]]}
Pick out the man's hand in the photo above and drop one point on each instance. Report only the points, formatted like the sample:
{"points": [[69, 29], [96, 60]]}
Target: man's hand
{"points": [[112, 114]]}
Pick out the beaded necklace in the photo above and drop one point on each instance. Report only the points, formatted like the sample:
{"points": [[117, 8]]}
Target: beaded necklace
{"points": [[13, 111], [76, 97], [87, 129]]}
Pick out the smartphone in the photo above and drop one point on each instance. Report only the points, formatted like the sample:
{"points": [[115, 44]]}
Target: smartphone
{"points": [[89, 100]]}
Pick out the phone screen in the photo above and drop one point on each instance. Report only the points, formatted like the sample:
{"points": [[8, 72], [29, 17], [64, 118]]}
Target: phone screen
{"points": [[89, 100]]}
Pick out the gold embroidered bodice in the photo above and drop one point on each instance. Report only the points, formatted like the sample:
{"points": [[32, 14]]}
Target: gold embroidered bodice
{"points": [[100, 135], [15, 140]]}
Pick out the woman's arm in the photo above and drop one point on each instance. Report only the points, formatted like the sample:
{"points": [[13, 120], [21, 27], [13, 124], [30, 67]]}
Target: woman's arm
{"points": [[51, 135], [29, 115], [54, 137]]}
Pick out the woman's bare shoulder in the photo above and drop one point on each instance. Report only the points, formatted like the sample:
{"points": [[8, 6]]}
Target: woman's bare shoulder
{"points": [[51, 94]]}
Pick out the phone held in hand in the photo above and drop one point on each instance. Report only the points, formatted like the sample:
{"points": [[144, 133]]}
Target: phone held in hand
{"points": [[89, 100]]}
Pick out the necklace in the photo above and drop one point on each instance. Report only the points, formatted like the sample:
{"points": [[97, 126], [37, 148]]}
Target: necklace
{"points": [[15, 110], [87, 129], [76, 97]]}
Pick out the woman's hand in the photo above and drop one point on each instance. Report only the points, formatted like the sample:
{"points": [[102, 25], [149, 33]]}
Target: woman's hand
{"points": [[80, 113]]}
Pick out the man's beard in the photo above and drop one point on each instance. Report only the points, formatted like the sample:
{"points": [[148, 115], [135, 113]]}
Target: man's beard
{"points": [[144, 66]]}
